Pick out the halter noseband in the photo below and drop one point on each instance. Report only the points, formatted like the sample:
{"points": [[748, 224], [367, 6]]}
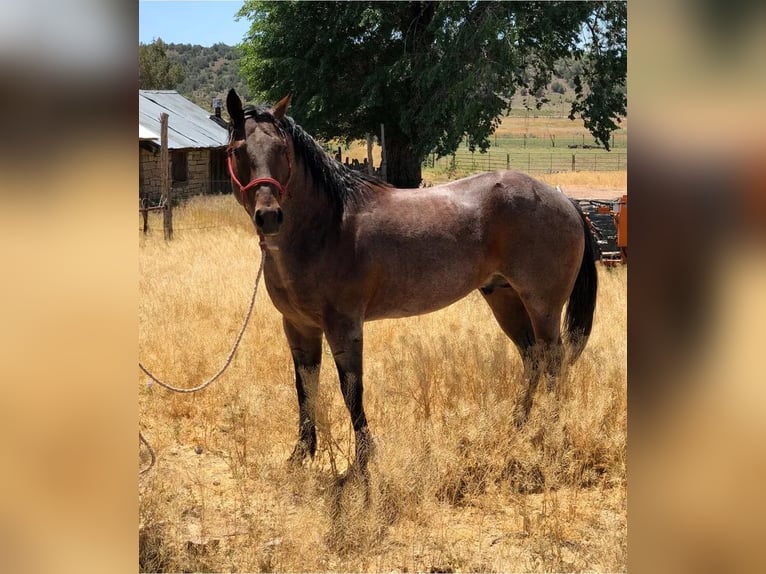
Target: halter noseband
{"points": [[281, 189]]}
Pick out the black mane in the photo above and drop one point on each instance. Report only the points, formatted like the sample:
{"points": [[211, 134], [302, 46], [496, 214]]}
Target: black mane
{"points": [[343, 186]]}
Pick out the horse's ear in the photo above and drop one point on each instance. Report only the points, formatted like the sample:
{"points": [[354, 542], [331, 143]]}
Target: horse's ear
{"points": [[234, 107], [280, 108]]}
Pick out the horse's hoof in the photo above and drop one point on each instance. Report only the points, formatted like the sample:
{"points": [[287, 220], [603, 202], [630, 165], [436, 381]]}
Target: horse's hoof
{"points": [[520, 418], [354, 477], [300, 452], [294, 460]]}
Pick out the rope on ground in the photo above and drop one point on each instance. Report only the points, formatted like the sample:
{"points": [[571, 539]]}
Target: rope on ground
{"points": [[151, 453], [231, 353], [217, 374]]}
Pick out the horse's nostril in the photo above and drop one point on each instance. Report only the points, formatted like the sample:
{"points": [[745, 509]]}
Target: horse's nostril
{"points": [[259, 219], [280, 217]]}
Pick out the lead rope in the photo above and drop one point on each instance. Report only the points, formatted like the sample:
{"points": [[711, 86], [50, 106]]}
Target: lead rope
{"points": [[151, 453], [220, 371]]}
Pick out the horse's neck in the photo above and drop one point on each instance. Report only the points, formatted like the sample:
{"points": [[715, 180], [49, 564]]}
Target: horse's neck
{"points": [[309, 213]]}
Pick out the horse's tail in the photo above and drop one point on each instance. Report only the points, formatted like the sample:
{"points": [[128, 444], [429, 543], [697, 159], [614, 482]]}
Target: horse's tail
{"points": [[582, 300]]}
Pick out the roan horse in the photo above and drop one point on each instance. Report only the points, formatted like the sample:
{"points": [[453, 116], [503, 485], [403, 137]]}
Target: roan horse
{"points": [[342, 248]]}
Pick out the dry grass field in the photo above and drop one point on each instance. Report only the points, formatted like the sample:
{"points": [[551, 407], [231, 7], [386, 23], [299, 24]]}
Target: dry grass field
{"points": [[454, 487]]}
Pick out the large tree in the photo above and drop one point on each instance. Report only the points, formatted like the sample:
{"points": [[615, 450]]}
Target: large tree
{"points": [[156, 71], [431, 72]]}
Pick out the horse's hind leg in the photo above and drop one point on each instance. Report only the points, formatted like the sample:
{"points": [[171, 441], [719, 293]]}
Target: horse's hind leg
{"points": [[537, 337], [549, 350], [512, 316], [306, 348]]}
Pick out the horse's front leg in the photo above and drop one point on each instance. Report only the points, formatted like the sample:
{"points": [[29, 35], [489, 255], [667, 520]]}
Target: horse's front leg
{"points": [[345, 337], [306, 348]]}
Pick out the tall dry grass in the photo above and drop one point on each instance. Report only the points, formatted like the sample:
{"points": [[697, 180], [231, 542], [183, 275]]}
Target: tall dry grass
{"points": [[454, 487]]}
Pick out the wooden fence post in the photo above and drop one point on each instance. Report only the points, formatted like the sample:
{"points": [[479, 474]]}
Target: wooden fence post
{"points": [[369, 154], [573, 162], [383, 159], [165, 178]]}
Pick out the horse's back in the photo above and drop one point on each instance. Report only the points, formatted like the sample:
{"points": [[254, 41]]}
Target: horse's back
{"points": [[515, 186], [514, 203]]}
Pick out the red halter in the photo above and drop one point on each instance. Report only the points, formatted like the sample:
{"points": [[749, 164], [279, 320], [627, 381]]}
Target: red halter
{"points": [[281, 189]]}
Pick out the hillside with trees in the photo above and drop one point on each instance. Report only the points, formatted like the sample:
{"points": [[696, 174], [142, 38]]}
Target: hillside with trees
{"points": [[156, 70], [199, 73]]}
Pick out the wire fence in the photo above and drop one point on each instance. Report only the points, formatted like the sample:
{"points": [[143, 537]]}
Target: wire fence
{"points": [[538, 151], [537, 161], [542, 140]]}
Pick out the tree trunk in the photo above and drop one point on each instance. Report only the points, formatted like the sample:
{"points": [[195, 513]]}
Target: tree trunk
{"points": [[402, 165]]}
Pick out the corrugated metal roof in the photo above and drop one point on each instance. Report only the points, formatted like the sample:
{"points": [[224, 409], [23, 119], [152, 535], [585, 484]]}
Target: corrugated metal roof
{"points": [[189, 126], [146, 134]]}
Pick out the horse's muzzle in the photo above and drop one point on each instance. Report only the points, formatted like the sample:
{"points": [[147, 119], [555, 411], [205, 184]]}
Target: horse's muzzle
{"points": [[268, 220]]}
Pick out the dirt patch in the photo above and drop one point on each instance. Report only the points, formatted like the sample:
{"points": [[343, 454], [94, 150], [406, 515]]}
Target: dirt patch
{"points": [[589, 192]]}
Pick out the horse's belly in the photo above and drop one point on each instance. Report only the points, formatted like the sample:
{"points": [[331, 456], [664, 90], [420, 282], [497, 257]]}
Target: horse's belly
{"points": [[412, 307], [418, 293]]}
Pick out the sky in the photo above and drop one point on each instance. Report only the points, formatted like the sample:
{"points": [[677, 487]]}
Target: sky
{"points": [[184, 22]]}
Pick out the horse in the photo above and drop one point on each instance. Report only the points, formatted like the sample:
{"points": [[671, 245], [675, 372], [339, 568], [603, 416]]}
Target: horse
{"points": [[341, 248]]}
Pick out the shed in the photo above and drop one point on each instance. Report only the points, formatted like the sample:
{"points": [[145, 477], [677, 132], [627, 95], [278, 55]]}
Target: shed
{"points": [[196, 143]]}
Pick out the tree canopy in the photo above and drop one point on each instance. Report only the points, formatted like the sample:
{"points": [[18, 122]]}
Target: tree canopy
{"points": [[431, 72], [156, 71]]}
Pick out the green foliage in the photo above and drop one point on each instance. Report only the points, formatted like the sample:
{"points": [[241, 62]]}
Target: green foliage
{"points": [[432, 72], [600, 96], [156, 71]]}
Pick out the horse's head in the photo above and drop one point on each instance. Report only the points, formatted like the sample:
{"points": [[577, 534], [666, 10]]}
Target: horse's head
{"points": [[259, 161]]}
